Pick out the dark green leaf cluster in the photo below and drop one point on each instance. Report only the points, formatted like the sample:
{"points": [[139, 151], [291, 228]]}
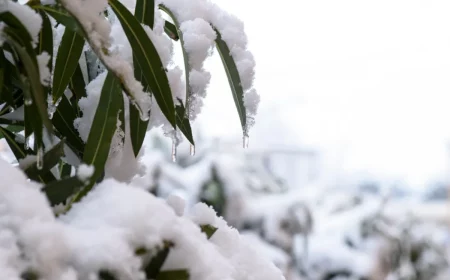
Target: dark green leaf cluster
{"points": [[37, 121]]}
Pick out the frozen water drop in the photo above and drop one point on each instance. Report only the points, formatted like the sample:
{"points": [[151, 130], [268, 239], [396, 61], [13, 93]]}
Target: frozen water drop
{"points": [[144, 114], [28, 101], [51, 109], [245, 141], [40, 158], [192, 150], [174, 151]]}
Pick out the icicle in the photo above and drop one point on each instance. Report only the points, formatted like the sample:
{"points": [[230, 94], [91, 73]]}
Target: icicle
{"points": [[145, 116], [28, 101], [51, 108], [40, 158], [245, 141], [192, 150], [174, 150]]}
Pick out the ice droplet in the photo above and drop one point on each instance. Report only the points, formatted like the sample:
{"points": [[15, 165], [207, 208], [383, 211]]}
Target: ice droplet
{"points": [[40, 158], [192, 150], [245, 141], [28, 101], [144, 115], [174, 150], [28, 143], [51, 109]]}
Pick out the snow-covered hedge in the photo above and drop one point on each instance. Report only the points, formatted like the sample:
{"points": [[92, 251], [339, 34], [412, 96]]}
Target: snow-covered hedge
{"points": [[81, 82]]}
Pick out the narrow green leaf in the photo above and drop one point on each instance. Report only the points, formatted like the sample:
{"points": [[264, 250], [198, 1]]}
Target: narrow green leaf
{"points": [[183, 123], [69, 53], [64, 170], [148, 59], [175, 28], [145, 12], [2, 71], [15, 24], [63, 120], [19, 152], [138, 129], [28, 115], [12, 84], [62, 17], [171, 30], [77, 84], [32, 72], [233, 79], [46, 39], [58, 191], [122, 118], [181, 274], [154, 266], [209, 230], [50, 159], [104, 126], [18, 149], [11, 122]]}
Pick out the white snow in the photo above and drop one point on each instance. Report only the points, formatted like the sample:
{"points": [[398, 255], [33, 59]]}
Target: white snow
{"points": [[27, 16], [27, 161], [98, 30], [44, 72], [84, 172], [104, 229]]}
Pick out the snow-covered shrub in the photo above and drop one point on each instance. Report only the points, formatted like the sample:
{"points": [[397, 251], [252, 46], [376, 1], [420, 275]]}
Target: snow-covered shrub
{"points": [[81, 82], [95, 76]]}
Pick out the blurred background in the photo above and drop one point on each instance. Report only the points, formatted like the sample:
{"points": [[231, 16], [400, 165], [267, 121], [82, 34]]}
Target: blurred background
{"points": [[347, 171]]}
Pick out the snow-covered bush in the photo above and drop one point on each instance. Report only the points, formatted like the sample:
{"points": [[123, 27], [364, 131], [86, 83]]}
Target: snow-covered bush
{"points": [[81, 82]]}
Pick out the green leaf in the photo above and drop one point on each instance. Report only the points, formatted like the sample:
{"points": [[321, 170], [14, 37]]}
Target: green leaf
{"points": [[12, 128], [233, 78], [181, 274], [122, 119], [183, 123], [176, 30], [58, 191], [63, 120], [32, 72], [15, 24], [46, 39], [148, 59], [69, 53], [209, 230], [171, 30], [154, 266], [145, 12], [18, 149], [104, 126], [138, 129], [77, 84], [62, 17], [50, 159], [11, 122], [2, 71], [64, 169]]}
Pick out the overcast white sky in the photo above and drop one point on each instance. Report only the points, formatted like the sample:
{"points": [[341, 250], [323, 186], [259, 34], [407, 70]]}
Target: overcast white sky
{"points": [[368, 82]]}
